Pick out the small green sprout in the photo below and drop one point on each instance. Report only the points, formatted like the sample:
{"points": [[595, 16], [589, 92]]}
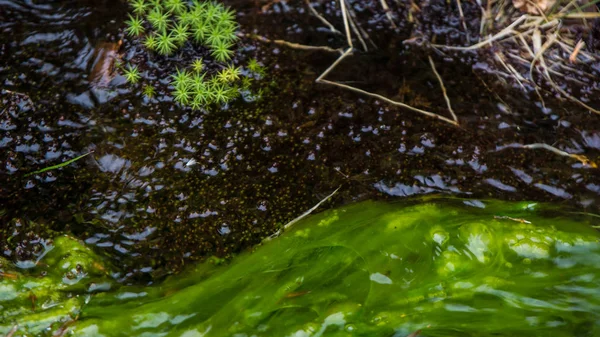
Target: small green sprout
{"points": [[201, 31], [221, 51], [181, 95], [200, 5], [181, 79], [199, 14], [246, 83], [149, 91], [255, 67], [135, 26], [156, 4], [180, 33], [201, 90], [224, 33], [175, 6], [212, 11], [197, 65], [198, 84], [229, 74], [226, 16], [197, 103], [165, 44], [220, 93], [232, 93], [159, 20], [132, 74], [151, 42], [187, 18], [139, 6]]}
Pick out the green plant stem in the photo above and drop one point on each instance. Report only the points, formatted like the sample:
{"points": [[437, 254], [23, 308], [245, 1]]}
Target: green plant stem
{"points": [[54, 167]]}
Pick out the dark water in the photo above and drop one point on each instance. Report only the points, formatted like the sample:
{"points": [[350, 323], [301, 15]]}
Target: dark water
{"points": [[258, 164]]}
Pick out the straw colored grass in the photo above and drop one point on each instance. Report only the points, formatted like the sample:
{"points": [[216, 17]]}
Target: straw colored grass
{"points": [[537, 49]]}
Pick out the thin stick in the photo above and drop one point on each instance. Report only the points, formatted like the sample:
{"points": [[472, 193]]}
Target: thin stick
{"points": [[573, 57], [513, 73], [580, 16], [443, 89], [334, 64], [406, 106], [302, 216], [539, 54], [462, 17], [348, 51], [315, 13], [346, 25], [388, 13], [557, 73], [355, 29], [294, 45], [581, 158], [526, 45], [362, 31], [12, 331], [589, 57], [305, 47]]}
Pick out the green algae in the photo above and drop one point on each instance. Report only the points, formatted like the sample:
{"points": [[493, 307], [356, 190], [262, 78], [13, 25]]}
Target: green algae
{"points": [[369, 269]]}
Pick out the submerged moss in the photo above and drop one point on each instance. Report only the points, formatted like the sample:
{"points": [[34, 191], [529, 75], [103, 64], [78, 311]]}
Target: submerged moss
{"points": [[370, 269]]}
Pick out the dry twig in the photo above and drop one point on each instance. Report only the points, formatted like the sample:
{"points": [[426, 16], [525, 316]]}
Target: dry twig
{"points": [[443, 89]]}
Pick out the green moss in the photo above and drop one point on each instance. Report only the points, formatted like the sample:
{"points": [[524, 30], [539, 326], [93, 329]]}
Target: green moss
{"points": [[159, 20], [172, 23], [149, 91], [165, 43], [151, 42], [135, 26], [139, 6], [175, 6], [132, 74], [255, 67], [197, 66], [221, 50], [180, 33]]}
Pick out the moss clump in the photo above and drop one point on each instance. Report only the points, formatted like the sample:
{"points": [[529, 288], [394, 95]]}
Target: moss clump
{"points": [[165, 26]]}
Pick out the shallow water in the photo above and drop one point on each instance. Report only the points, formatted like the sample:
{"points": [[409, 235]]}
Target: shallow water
{"points": [[259, 164], [368, 269]]}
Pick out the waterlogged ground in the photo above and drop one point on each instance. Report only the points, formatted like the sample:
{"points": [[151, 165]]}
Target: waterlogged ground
{"points": [[259, 163], [438, 266]]}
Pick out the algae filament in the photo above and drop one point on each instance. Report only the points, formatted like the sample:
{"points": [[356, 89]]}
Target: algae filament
{"points": [[369, 269]]}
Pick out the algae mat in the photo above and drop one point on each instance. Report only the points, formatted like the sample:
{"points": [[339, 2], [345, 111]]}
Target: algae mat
{"points": [[368, 269]]}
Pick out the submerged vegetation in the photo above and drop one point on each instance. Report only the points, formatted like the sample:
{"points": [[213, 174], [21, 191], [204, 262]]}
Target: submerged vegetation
{"points": [[437, 267], [63, 164], [169, 25]]}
